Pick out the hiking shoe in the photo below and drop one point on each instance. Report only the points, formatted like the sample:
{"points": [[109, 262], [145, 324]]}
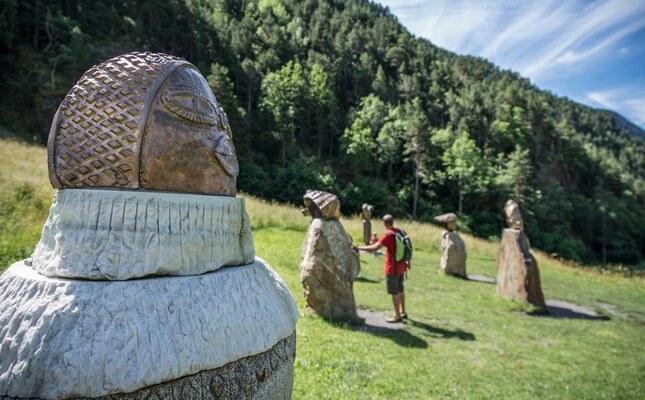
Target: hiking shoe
{"points": [[393, 319]]}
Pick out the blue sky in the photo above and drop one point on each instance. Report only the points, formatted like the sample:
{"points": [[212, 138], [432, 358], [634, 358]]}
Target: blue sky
{"points": [[590, 51]]}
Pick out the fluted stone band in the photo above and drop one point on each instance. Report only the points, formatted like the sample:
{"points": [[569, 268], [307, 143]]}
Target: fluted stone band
{"points": [[117, 235]]}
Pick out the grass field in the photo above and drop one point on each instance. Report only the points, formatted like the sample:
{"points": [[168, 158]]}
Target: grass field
{"points": [[462, 340]]}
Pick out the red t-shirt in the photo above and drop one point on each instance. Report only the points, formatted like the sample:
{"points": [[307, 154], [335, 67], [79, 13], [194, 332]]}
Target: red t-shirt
{"points": [[391, 266]]}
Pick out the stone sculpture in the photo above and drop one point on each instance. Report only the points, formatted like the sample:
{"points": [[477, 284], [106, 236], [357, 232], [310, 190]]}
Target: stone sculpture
{"points": [[329, 265], [518, 277], [453, 258], [75, 324], [367, 223]]}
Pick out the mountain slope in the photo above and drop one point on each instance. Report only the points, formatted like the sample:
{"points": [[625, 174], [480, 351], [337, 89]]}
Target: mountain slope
{"points": [[337, 95]]}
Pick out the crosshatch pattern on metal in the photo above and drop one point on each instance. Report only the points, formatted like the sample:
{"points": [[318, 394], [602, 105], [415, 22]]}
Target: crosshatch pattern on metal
{"points": [[97, 136]]}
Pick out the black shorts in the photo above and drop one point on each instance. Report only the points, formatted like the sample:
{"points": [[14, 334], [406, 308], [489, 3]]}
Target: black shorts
{"points": [[394, 284]]}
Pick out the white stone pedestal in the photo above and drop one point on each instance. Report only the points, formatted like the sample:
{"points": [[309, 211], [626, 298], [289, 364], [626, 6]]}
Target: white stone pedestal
{"points": [[193, 334]]}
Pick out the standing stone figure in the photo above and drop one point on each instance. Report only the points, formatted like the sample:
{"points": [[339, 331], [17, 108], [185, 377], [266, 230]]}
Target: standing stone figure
{"points": [[518, 277], [124, 296], [329, 265], [367, 223], [453, 258]]}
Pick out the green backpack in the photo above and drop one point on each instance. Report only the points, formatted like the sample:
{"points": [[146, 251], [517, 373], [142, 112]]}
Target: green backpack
{"points": [[403, 246]]}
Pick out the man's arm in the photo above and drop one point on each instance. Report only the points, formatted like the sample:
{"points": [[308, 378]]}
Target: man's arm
{"points": [[369, 248]]}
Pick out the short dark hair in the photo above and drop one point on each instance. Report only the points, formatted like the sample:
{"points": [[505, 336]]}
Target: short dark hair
{"points": [[388, 219]]}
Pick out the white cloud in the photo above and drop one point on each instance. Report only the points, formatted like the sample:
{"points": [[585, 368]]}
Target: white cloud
{"points": [[532, 37], [584, 34], [628, 100], [544, 40]]}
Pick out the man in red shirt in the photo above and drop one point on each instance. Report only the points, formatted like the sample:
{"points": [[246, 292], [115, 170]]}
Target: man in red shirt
{"points": [[393, 271]]}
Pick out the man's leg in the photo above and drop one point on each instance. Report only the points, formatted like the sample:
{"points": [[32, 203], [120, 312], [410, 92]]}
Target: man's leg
{"points": [[396, 301], [402, 302], [401, 296]]}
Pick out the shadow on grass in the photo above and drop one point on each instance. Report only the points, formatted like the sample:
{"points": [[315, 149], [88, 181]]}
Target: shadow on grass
{"points": [[561, 312], [394, 332], [481, 279], [399, 336], [442, 333], [564, 310], [363, 279]]}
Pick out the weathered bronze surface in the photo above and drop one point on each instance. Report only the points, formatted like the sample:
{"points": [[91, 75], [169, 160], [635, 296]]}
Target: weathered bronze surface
{"points": [[513, 215], [321, 204], [366, 214], [143, 121]]}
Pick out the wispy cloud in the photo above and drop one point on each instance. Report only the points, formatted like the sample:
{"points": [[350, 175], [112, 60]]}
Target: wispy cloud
{"points": [[629, 100], [582, 32], [532, 37], [544, 40]]}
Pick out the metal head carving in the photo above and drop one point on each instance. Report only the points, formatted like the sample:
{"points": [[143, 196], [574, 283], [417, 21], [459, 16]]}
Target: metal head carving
{"points": [[367, 211], [513, 215], [143, 121], [321, 204], [449, 220]]}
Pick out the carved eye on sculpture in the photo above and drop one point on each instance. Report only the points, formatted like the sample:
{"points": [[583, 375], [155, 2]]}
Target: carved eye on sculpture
{"points": [[188, 103], [225, 154]]}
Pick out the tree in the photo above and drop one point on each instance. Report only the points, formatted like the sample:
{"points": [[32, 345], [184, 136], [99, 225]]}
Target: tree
{"points": [[416, 145], [359, 140], [321, 98], [514, 174], [281, 96], [389, 140], [466, 167]]}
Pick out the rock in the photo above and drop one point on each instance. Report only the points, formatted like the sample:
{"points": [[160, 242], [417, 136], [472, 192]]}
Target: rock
{"points": [[137, 333], [518, 277], [268, 375], [453, 258], [328, 269], [449, 218]]}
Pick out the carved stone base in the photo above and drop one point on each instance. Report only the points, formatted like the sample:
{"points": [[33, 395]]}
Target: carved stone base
{"points": [[65, 338], [328, 269], [453, 259], [267, 375], [518, 277]]}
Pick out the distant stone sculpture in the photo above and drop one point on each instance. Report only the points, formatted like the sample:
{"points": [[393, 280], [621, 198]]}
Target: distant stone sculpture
{"points": [[367, 223], [75, 322], [453, 258], [513, 215], [518, 277], [329, 265]]}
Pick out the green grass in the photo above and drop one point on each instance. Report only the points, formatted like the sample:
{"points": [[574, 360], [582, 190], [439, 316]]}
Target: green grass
{"points": [[462, 341]]}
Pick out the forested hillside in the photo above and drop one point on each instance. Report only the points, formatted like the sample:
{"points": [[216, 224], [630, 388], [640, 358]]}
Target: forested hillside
{"points": [[338, 95]]}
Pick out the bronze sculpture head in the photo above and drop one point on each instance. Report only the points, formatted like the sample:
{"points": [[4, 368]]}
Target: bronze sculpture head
{"points": [[513, 215], [143, 121], [367, 210], [319, 204]]}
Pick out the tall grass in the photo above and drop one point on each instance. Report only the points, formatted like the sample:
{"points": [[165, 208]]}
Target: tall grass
{"points": [[25, 196]]}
